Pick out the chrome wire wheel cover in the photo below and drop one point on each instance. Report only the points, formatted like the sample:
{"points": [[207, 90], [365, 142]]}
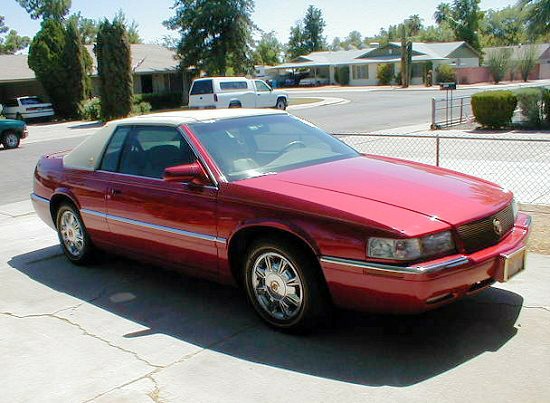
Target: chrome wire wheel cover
{"points": [[277, 286], [71, 233]]}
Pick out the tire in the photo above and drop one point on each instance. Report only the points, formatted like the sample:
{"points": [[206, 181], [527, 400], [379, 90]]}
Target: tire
{"points": [[18, 116], [294, 299], [10, 139], [73, 236], [281, 104], [235, 105]]}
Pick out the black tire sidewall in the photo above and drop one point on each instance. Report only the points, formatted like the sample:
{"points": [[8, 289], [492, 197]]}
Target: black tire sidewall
{"points": [[280, 100], [305, 319], [5, 140], [85, 256]]}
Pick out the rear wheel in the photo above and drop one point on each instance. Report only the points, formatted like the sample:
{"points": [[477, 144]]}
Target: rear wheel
{"points": [[73, 236], [235, 105], [284, 286], [10, 139], [18, 116]]}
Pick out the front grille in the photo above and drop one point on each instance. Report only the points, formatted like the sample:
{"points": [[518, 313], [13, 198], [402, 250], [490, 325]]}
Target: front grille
{"points": [[481, 234]]}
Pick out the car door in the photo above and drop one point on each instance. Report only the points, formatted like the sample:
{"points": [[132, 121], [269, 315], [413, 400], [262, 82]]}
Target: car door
{"points": [[264, 95], [163, 221]]}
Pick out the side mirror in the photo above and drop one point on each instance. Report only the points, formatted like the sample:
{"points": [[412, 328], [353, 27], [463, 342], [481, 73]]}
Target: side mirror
{"points": [[192, 173]]}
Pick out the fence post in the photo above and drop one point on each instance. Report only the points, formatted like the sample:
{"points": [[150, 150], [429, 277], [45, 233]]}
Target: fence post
{"points": [[437, 150], [433, 114]]}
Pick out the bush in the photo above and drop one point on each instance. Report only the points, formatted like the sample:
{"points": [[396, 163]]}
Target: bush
{"points": [[445, 74], [341, 75], [141, 108], [546, 104], [384, 73], [494, 108], [91, 109], [530, 104], [498, 63], [160, 101]]}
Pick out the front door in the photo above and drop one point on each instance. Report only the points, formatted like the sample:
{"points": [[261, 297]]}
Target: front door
{"points": [[163, 221], [264, 95]]}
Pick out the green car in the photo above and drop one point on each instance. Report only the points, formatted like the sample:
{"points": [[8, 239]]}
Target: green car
{"points": [[11, 132]]}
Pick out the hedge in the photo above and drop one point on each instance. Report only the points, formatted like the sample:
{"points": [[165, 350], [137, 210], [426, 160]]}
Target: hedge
{"points": [[445, 74], [530, 104], [494, 108], [546, 107], [160, 101]]}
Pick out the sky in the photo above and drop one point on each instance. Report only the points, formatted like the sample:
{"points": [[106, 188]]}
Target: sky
{"points": [[342, 16]]}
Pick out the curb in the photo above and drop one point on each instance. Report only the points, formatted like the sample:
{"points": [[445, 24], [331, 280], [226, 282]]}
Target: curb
{"points": [[325, 101]]}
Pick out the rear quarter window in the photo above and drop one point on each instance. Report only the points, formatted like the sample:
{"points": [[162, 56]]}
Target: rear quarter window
{"points": [[11, 103], [202, 87], [233, 85]]}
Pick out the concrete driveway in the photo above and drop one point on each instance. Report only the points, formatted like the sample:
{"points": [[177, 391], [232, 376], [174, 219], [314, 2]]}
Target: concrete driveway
{"points": [[119, 331]]}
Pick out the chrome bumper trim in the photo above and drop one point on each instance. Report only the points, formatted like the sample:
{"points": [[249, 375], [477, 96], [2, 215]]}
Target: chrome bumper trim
{"points": [[35, 197], [397, 269], [155, 226]]}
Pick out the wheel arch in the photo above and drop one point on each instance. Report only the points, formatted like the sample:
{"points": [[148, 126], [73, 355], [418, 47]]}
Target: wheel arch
{"points": [[57, 199], [241, 240]]}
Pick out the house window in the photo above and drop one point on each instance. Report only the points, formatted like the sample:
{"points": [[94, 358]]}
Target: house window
{"points": [[147, 84], [361, 72]]}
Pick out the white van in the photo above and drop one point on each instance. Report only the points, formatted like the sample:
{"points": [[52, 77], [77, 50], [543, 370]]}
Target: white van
{"points": [[234, 92]]}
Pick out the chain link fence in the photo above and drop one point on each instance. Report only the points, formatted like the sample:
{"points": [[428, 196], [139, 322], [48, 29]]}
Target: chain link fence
{"points": [[521, 164]]}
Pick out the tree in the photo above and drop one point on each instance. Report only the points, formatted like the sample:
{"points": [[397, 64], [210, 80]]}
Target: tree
{"points": [[527, 61], [214, 35], [296, 45], [336, 44], [314, 25], [131, 27], [498, 63], [46, 9], [86, 26], [12, 42], [77, 81], [414, 24], [464, 18], [538, 17], [47, 62], [354, 39], [503, 27], [114, 67], [268, 50]]}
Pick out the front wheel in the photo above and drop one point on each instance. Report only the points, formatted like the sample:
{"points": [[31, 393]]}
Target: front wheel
{"points": [[10, 140], [285, 286], [281, 104], [73, 236]]}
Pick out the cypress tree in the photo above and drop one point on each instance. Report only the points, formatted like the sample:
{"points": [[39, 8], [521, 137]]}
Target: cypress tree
{"points": [[114, 67], [77, 80]]}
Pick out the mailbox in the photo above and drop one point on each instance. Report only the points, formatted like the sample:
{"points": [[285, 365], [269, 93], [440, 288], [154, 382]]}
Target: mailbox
{"points": [[447, 86]]}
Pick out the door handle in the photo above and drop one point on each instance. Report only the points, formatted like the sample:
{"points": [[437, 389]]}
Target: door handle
{"points": [[115, 192]]}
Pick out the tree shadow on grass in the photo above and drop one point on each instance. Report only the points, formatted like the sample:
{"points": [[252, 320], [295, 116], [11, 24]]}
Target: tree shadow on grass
{"points": [[372, 350]]}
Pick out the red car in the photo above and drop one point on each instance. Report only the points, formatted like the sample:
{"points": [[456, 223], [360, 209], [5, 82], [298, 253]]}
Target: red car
{"points": [[265, 200]]}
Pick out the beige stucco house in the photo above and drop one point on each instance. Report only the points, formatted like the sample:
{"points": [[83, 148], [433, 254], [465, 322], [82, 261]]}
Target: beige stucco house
{"points": [[363, 63]]}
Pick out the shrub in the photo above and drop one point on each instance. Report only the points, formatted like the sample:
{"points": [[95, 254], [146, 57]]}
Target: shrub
{"points": [[91, 109], [384, 73], [445, 74], [160, 101], [527, 62], [341, 75], [494, 108], [498, 63], [546, 104], [141, 108], [530, 103]]}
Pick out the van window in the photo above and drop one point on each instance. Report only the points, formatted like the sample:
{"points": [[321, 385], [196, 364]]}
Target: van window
{"points": [[202, 87], [233, 85]]}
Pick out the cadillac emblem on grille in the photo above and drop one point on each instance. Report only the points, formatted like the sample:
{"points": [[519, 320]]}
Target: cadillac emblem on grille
{"points": [[497, 226]]}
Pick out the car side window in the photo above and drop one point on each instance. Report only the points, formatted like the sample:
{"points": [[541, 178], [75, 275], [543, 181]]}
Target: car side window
{"points": [[112, 153], [261, 86], [149, 150]]}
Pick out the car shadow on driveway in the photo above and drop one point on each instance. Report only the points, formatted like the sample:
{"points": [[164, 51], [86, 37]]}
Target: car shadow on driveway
{"points": [[372, 350]]}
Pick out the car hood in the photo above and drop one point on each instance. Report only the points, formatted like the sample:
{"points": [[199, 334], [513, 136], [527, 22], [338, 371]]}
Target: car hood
{"points": [[436, 193]]}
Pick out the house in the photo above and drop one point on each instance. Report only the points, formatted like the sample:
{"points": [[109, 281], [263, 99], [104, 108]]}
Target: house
{"points": [[363, 63], [540, 50], [155, 70]]}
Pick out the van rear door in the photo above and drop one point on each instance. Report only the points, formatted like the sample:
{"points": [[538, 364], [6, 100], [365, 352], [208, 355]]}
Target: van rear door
{"points": [[202, 94]]}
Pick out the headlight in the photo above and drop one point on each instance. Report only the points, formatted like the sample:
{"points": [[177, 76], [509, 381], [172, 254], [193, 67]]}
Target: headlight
{"points": [[515, 208], [412, 248]]}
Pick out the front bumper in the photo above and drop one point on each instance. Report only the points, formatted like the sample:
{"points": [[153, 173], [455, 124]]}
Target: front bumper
{"points": [[383, 288]]}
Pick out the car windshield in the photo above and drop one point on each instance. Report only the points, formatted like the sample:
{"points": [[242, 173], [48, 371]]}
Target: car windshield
{"points": [[31, 101], [261, 145]]}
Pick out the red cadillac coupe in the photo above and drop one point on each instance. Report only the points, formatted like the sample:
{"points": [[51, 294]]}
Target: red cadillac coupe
{"points": [[265, 200]]}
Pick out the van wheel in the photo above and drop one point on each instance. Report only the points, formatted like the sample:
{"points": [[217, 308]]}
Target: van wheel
{"points": [[10, 140], [281, 104]]}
